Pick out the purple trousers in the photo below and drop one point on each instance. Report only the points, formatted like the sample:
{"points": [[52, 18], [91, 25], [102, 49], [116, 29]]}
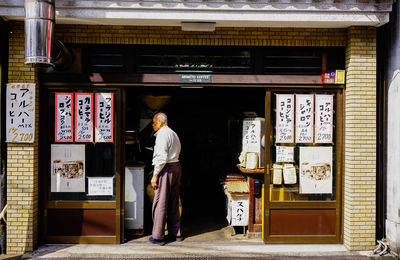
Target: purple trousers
{"points": [[166, 202]]}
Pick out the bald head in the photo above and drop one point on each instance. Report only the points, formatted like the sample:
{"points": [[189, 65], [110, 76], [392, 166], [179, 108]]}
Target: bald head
{"points": [[159, 120]]}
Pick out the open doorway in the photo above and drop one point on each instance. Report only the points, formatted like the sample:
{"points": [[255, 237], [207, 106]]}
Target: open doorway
{"points": [[208, 122]]}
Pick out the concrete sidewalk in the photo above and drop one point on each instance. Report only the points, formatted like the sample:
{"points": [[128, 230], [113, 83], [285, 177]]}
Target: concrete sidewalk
{"points": [[196, 250]]}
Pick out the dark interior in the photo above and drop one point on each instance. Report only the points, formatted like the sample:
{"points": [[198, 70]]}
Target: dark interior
{"points": [[209, 123]]}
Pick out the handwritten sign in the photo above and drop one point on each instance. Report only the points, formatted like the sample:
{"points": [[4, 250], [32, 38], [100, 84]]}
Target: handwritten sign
{"points": [[323, 118], [104, 117], [251, 135], [284, 153], [63, 117], [20, 113], [102, 186], [83, 117], [284, 118], [240, 212], [304, 118]]}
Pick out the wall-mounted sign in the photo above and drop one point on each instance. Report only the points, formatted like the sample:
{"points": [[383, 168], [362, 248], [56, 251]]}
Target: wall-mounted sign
{"points": [[20, 113], [67, 168], [83, 117], [284, 154], [323, 118], [304, 118], [104, 121], [64, 107], [284, 118], [102, 186], [333, 76], [195, 78]]}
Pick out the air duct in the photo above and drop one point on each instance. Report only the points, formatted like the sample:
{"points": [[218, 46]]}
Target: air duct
{"points": [[39, 29]]}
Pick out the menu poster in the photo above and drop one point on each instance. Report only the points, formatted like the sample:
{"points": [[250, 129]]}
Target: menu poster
{"points": [[67, 168], [284, 118], [20, 113], [323, 118], [316, 170], [63, 117], [104, 117], [304, 118], [284, 153], [83, 117]]}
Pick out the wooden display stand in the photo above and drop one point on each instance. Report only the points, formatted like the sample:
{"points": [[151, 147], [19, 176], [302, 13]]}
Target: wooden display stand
{"points": [[255, 200]]}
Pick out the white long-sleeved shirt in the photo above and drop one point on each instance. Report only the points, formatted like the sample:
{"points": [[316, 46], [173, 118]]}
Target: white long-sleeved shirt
{"points": [[166, 149]]}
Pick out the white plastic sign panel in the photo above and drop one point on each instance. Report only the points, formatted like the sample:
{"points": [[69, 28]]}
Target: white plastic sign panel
{"points": [[64, 107], [323, 118], [284, 118], [104, 117], [284, 154], [316, 170], [240, 212], [304, 118], [67, 168], [83, 117], [100, 186], [20, 113]]}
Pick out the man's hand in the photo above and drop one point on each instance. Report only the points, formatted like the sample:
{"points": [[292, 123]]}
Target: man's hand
{"points": [[154, 181]]}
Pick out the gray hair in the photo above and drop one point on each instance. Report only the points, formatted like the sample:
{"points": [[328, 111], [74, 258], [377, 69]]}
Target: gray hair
{"points": [[161, 117]]}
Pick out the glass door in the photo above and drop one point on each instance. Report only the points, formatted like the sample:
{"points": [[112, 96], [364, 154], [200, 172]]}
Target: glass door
{"points": [[80, 165], [303, 178]]}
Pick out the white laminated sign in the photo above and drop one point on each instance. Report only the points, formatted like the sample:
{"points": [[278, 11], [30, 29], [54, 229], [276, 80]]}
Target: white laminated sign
{"points": [[83, 117], [284, 118], [304, 118], [323, 118], [64, 117], [104, 129], [20, 113]]}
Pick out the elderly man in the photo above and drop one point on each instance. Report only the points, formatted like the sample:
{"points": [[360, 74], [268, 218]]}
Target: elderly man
{"points": [[166, 182]]}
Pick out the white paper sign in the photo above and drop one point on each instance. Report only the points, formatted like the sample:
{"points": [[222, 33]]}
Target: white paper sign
{"points": [[64, 107], [251, 141], [100, 186], [304, 118], [240, 212], [20, 113], [316, 170], [284, 118], [284, 153], [67, 168], [323, 118], [104, 117], [83, 117]]}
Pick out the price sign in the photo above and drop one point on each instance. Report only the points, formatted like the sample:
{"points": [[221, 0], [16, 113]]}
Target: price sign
{"points": [[323, 118], [104, 117], [20, 113], [284, 118], [304, 118], [83, 117], [63, 117]]}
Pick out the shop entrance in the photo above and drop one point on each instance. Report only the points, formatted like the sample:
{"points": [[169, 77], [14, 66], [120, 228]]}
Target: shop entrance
{"points": [[208, 121]]}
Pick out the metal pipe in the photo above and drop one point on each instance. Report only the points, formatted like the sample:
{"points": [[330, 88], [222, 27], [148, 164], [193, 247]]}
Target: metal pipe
{"points": [[39, 30]]}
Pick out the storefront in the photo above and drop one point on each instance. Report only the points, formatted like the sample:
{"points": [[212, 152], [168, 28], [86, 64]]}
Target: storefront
{"points": [[207, 87]]}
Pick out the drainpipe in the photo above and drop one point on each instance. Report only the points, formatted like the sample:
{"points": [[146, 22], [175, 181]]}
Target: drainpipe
{"points": [[39, 30]]}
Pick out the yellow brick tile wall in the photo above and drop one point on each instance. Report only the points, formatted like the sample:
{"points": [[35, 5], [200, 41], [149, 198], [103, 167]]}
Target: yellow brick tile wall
{"points": [[22, 162], [359, 195], [360, 139]]}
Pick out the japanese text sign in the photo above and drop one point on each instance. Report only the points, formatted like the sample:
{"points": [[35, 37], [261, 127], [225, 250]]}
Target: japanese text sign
{"points": [[240, 212], [20, 117], [83, 117], [63, 117], [284, 118], [304, 118], [104, 117], [102, 186], [284, 153], [323, 118], [251, 135]]}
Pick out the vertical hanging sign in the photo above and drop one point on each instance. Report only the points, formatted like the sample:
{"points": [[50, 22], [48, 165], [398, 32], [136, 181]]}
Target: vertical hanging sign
{"points": [[104, 130], [323, 118], [284, 118], [63, 117], [83, 117], [304, 118], [20, 113]]}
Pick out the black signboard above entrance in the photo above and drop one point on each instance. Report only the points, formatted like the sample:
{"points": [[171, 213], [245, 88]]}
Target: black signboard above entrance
{"points": [[194, 78]]}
